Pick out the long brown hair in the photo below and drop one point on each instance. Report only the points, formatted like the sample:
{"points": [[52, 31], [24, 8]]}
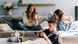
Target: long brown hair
{"points": [[33, 13]]}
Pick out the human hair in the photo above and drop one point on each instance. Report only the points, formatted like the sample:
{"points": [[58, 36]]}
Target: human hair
{"points": [[52, 21], [59, 13], [33, 13]]}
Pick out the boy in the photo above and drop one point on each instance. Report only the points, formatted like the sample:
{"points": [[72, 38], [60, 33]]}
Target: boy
{"points": [[51, 31]]}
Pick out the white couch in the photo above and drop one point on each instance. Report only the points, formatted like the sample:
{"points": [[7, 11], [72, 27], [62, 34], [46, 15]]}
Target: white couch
{"points": [[68, 38]]}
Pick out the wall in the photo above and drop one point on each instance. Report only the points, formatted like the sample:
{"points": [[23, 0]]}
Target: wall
{"points": [[66, 6]]}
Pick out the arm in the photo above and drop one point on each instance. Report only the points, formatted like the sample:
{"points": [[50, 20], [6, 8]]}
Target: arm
{"points": [[62, 26], [46, 38], [25, 20], [36, 20]]}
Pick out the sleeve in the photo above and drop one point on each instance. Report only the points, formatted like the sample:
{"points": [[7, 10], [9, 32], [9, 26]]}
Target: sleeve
{"points": [[62, 26], [46, 31], [25, 20]]}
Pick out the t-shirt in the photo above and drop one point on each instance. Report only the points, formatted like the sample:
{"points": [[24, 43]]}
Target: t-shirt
{"points": [[53, 38], [61, 26], [47, 32]]}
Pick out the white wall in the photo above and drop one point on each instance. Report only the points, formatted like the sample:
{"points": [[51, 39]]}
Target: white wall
{"points": [[65, 5]]}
